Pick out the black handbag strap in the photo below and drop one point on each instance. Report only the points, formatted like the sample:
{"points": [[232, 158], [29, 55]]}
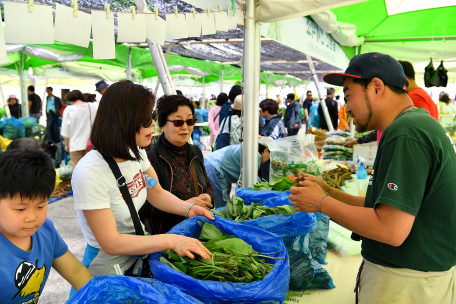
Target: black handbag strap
{"points": [[216, 116], [122, 184]]}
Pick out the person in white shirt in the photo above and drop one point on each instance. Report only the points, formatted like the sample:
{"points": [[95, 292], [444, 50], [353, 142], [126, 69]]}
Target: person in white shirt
{"points": [[77, 124], [124, 125]]}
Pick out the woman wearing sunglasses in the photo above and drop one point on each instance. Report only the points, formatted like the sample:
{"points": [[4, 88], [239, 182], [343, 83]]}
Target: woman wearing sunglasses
{"points": [[173, 159], [123, 125]]}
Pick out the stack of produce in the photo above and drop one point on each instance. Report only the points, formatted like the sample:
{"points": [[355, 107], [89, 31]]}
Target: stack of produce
{"points": [[233, 260], [334, 146], [320, 137]]}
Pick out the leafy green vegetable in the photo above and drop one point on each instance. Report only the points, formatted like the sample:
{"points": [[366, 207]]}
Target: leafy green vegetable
{"points": [[210, 232], [279, 184], [280, 167], [254, 211], [233, 260]]}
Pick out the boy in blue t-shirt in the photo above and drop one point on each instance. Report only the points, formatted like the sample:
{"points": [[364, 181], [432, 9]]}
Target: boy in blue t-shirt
{"points": [[29, 243]]}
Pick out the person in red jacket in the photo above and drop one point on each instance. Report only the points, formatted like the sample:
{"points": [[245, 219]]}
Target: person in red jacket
{"points": [[420, 98]]}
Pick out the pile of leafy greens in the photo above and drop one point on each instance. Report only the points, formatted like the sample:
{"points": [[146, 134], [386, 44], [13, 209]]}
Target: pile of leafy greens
{"points": [[236, 210], [279, 184], [233, 260]]}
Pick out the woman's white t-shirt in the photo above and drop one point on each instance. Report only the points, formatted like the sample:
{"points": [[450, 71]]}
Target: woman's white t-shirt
{"points": [[76, 124], [95, 187]]}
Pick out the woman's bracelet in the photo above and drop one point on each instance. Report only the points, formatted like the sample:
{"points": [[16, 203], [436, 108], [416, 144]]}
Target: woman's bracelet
{"points": [[188, 210], [319, 204]]}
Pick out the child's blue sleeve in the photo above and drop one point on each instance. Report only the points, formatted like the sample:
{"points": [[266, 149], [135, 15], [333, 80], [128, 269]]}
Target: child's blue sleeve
{"points": [[60, 247]]}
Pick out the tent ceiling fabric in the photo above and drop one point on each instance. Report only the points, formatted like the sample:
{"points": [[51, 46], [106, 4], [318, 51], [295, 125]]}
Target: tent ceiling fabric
{"points": [[404, 6]]}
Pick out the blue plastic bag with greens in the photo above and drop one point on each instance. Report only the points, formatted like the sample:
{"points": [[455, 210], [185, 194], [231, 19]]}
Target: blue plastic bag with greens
{"points": [[116, 289], [318, 239], [272, 289]]}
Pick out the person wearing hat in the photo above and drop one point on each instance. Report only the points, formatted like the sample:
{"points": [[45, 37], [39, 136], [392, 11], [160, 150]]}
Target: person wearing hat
{"points": [[445, 106], [407, 218], [101, 87], [223, 168], [293, 116], [14, 106], [235, 119]]}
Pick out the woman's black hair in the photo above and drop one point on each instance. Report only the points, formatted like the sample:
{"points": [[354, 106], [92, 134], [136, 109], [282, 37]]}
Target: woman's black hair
{"points": [[124, 108], [169, 104], [75, 95], [269, 105], [29, 174], [234, 92], [221, 99], [90, 97], [49, 147]]}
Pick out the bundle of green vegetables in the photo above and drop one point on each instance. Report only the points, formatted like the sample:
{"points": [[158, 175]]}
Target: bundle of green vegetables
{"points": [[279, 184], [236, 210], [233, 260], [281, 168]]}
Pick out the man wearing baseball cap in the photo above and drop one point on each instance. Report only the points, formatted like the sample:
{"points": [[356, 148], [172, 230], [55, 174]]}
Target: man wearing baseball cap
{"points": [[408, 217]]}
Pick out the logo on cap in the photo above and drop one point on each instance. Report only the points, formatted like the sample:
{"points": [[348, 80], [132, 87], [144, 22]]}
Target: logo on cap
{"points": [[392, 186]]}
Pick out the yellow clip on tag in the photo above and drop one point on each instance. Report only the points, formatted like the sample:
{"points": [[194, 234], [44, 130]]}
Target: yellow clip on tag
{"points": [[108, 11], [193, 12], [220, 10], [133, 12], [156, 13], [175, 11], [30, 6], [75, 7], [208, 12]]}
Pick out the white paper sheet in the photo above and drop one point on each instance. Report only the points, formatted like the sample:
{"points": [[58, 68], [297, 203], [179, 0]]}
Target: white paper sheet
{"points": [[232, 20], [3, 55], [176, 28], [71, 29], [22, 26], [193, 25], [155, 29], [240, 15], [208, 24], [104, 44], [221, 21], [131, 30]]}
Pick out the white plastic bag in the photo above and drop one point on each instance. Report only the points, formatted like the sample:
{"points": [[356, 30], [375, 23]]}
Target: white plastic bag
{"points": [[66, 171]]}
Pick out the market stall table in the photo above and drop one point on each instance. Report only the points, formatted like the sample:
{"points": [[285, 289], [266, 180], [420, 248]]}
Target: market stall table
{"points": [[342, 270]]}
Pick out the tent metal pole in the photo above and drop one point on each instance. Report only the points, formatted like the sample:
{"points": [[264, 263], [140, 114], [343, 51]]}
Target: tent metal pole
{"points": [[252, 46], [222, 79], [24, 96], [267, 87], [168, 50], [203, 96], [162, 72], [283, 84], [4, 105], [322, 101], [129, 76]]}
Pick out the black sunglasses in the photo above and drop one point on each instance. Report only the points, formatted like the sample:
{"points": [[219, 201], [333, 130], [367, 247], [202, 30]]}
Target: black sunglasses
{"points": [[152, 118], [179, 123]]}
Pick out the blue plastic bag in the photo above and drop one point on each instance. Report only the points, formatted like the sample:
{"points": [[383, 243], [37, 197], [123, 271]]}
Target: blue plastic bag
{"points": [[319, 239], [29, 123], [14, 128], [2, 126], [199, 115], [260, 196], [116, 289], [272, 289]]}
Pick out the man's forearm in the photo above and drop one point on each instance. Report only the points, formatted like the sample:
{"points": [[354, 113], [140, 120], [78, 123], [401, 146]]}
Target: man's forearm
{"points": [[352, 200]]}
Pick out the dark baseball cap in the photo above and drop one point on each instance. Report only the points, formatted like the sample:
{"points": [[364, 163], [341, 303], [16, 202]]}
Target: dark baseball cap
{"points": [[369, 66]]}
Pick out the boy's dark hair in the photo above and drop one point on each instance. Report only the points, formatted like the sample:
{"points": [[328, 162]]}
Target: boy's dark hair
{"points": [[31, 88], [261, 148], [234, 92], [365, 82], [75, 95], [221, 99], [269, 105], [409, 71], [291, 96], [49, 147], [50, 88], [29, 174], [179, 92], [123, 110], [169, 105]]}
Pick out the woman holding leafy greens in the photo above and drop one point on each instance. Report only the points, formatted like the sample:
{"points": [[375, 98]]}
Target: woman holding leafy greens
{"points": [[123, 125], [178, 164]]}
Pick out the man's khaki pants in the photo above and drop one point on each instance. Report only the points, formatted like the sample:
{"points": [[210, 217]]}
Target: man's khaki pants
{"points": [[384, 285]]}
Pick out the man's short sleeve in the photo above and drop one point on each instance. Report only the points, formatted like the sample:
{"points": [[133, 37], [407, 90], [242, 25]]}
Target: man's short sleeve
{"points": [[400, 179]]}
